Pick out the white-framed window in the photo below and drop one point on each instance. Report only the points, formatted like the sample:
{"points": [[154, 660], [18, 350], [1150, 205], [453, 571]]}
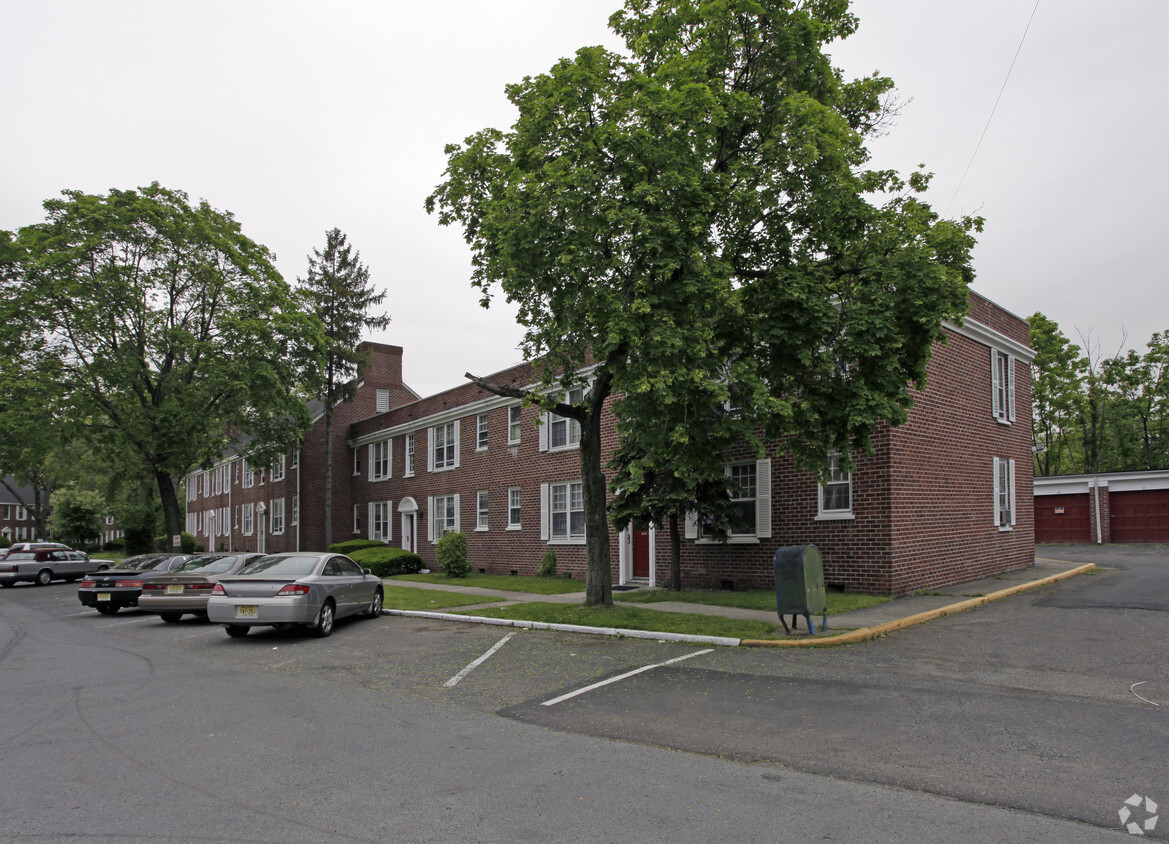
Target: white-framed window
{"points": [[248, 474], [237, 517], [752, 498], [217, 480], [514, 511], [379, 460], [409, 473], [513, 424], [192, 523], [745, 477], [249, 519], [357, 461], [357, 519], [278, 470], [276, 516], [481, 429], [294, 516], [379, 521], [444, 450], [560, 432], [206, 484], [1002, 386], [263, 472], [565, 508], [1004, 493], [481, 510], [835, 494], [444, 515], [383, 401], [294, 460]]}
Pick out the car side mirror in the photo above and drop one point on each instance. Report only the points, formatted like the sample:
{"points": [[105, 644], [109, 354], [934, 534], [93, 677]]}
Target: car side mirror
{"points": [[366, 571]]}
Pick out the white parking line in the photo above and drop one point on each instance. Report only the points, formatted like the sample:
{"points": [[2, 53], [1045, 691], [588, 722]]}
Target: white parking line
{"points": [[620, 677], [131, 621], [454, 680]]}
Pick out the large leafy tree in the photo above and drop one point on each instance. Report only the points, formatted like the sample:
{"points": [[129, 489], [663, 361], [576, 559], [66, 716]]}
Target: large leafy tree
{"points": [[337, 289], [1055, 395], [171, 330], [709, 183]]}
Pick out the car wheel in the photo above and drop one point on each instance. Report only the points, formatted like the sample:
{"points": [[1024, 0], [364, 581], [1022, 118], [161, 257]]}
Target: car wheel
{"points": [[107, 609], [44, 577], [325, 620], [375, 606], [103, 568], [236, 631], [171, 617]]}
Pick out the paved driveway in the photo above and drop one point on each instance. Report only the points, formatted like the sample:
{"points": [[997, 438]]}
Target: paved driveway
{"points": [[1132, 577]]}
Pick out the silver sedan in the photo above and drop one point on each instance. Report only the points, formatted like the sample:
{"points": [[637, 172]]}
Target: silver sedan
{"points": [[281, 590]]}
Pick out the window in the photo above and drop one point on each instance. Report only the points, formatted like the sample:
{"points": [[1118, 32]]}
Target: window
{"points": [[21, 513], [751, 497], [249, 476], [356, 461], [357, 519], [276, 516], [481, 524], [836, 491], [294, 460], [379, 460], [444, 453], [262, 473], [237, 465], [294, 517], [206, 484], [217, 480], [744, 476], [513, 508], [1004, 493], [409, 473], [564, 432], [383, 401], [481, 442], [278, 470], [237, 517], [444, 515], [249, 515], [567, 507], [379, 521], [513, 424], [1002, 386]]}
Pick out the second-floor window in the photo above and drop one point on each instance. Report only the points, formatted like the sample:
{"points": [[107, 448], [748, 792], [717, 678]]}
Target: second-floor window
{"points": [[379, 460], [444, 452]]}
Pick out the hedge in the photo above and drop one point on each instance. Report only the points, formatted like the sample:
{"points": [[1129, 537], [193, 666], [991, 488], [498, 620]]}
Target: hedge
{"points": [[386, 562]]}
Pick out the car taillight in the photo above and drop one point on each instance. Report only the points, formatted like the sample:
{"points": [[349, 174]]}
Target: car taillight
{"points": [[146, 586], [293, 589], [218, 590], [8, 569], [134, 584], [87, 582], [194, 587]]}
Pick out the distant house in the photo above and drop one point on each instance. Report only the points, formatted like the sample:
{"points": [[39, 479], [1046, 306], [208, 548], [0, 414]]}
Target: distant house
{"points": [[945, 498], [16, 523]]}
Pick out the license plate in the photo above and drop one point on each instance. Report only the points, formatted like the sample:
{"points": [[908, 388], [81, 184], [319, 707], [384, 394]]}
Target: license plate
{"points": [[176, 589], [103, 596], [247, 612]]}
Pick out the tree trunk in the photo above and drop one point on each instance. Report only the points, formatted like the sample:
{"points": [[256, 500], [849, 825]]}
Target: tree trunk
{"points": [[172, 516], [328, 477], [598, 574], [675, 554]]}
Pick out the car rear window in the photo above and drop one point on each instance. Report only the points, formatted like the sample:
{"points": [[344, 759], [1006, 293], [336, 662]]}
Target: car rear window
{"points": [[283, 566], [21, 555], [207, 564], [141, 563]]}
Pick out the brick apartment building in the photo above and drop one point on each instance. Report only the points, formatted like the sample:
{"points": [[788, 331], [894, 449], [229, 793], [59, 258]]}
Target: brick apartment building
{"points": [[946, 497], [16, 522]]}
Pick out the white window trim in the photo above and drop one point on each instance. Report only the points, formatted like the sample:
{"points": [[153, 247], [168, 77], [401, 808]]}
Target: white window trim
{"points": [[249, 520], [999, 393], [482, 511], [381, 460], [519, 497], [481, 432], [410, 457], [294, 517], [278, 470], [1000, 468], [762, 512], [546, 514], [357, 520], [432, 439], [432, 507], [823, 515], [357, 461], [572, 426], [386, 509], [276, 516], [517, 425]]}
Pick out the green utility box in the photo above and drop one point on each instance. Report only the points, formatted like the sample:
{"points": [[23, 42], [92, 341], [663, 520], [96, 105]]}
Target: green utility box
{"points": [[799, 585]]}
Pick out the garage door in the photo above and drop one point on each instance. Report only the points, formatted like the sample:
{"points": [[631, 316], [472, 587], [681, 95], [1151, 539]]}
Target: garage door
{"points": [[1062, 518], [1140, 516]]}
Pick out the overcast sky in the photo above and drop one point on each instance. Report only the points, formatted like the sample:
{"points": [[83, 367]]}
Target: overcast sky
{"points": [[298, 117]]}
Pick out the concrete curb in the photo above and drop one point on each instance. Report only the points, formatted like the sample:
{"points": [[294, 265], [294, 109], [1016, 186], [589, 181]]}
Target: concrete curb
{"points": [[571, 628], [864, 634]]}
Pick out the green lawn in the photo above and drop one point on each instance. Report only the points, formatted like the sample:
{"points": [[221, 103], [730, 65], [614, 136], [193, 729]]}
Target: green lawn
{"points": [[634, 618], [754, 599], [410, 598], [504, 582]]}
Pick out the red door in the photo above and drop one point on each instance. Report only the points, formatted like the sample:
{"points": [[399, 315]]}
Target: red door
{"points": [[1062, 518], [1140, 515], [640, 551]]}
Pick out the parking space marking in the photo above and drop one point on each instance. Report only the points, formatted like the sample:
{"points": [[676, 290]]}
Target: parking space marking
{"points": [[620, 677], [131, 621], [453, 681]]}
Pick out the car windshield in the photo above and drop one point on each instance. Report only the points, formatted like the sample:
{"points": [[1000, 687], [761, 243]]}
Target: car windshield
{"points": [[283, 566], [140, 563], [207, 565]]}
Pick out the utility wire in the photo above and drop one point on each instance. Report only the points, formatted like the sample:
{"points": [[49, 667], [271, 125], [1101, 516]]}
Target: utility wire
{"points": [[977, 146]]}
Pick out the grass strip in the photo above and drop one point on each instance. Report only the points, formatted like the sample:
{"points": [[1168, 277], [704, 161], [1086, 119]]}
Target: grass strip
{"points": [[410, 598], [633, 618], [753, 599], [504, 582]]}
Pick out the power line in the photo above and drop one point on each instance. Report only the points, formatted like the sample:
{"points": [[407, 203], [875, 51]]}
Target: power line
{"points": [[977, 146]]}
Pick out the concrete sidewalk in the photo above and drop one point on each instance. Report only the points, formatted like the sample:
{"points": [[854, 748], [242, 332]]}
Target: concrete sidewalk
{"points": [[858, 625]]}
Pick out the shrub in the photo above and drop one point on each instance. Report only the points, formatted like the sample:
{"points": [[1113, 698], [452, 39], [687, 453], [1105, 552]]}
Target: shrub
{"points": [[118, 544], [5, 542], [190, 546], [351, 545], [548, 564], [452, 554], [386, 562]]}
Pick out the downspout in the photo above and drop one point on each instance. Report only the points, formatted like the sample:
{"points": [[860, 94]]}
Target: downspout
{"points": [[1099, 536], [299, 515]]}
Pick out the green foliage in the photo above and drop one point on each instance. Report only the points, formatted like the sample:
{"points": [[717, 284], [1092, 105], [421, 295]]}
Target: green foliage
{"points": [[188, 544], [451, 551], [77, 515], [504, 582], [548, 564], [386, 562], [351, 545], [5, 542]]}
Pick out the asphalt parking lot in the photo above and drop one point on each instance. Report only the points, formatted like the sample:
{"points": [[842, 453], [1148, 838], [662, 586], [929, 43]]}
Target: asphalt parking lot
{"points": [[1036, 714]]}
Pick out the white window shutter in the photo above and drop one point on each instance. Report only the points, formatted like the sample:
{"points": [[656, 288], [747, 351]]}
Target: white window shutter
{"points": [[369, 531], [458, 426], [996, 491], [543, 419], [389, 522], [543, 510], [430, 450], [995, 385], [458, 523], [763, 498], [691, 525], [1011, 482], [430, 518], [1010, 389]]}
